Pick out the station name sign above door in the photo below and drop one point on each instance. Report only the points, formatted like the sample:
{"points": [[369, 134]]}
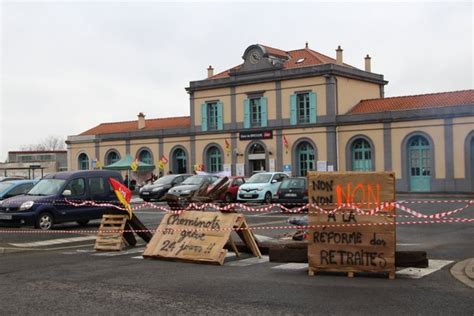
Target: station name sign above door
{"points": [[256, 135]]}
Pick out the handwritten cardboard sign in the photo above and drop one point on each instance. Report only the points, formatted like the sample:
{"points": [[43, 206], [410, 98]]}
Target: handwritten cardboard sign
{"points": [[194, 236], [346, 240]]}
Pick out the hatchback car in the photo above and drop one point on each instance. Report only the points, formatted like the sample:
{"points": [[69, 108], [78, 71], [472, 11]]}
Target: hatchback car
{"points": [[47, 202], [261, 187], [157, 189], [15, 187], [191, 184], [293, 192], [231, 194]]}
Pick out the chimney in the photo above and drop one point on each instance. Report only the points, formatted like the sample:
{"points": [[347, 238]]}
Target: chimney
{"points": [[210, 71], [367, 63], [339, 55], [141, 120]]}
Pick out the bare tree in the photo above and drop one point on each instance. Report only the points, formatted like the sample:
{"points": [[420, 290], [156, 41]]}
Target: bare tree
{"points": [[48, 143]]}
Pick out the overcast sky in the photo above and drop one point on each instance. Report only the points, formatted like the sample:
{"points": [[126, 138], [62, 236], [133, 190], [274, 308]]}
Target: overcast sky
{"points": [[69, 66]]}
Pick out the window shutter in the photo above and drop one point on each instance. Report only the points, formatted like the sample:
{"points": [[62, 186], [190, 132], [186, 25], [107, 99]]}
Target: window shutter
{"points": [[263, 107], [246, 113], [220, 118], [293, 120], [204, 117], [312, 107]]}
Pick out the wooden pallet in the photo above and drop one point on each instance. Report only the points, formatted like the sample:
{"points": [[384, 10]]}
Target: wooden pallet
{"points": [[110, 235], [350, 274]]}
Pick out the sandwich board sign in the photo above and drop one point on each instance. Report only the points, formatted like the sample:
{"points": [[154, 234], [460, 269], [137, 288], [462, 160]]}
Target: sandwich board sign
{"points": [[198, 236], [355, 230]]}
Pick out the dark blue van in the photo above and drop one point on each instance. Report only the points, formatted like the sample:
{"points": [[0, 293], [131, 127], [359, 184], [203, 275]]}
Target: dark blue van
{"points": [[45, 204]]}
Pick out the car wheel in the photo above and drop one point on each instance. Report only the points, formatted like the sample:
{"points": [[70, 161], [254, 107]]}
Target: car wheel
{"points": [[268, 198], [44, 221], [228, 198], [83, 222]]}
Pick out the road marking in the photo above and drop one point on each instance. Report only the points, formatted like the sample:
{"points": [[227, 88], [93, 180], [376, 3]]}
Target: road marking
{"points": [[118, 253], [248, 262], [407, 244], [418, 273], [292, 266], [53, 242], [137, 257], [261, 238]]}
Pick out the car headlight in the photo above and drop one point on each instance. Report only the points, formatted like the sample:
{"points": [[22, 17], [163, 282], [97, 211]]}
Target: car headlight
{"points": [[26, 205], [186, 191], [258, 189], [156, 189]]}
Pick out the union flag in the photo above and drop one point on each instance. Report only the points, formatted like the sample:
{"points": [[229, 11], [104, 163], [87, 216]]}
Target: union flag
{"points": [[285, 142], [134, 165], [123, 195], [227, 146]]}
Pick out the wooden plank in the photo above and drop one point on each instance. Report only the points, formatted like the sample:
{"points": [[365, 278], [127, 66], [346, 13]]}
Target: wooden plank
{"points": [[110, 234], [345, 240]]}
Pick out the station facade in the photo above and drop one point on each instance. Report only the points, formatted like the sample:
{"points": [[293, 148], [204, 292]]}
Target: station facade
{"points": [[296, 111]]}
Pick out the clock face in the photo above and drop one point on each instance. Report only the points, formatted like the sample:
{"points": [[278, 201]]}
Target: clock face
{"points": [[255, 57]]}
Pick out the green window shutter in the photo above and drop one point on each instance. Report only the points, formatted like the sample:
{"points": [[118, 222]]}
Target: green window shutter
{"points": [[312, 107], [220, 118], [293, 119], [246, 113], [204, 117], [263, 107]]}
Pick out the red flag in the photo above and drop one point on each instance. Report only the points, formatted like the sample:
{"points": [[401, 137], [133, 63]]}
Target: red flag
{"points": [[123, 194], [285, 142], [227, 146]]}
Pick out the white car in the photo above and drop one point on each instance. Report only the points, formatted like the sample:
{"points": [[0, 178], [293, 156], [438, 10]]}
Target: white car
{"points": [[261, 187]]}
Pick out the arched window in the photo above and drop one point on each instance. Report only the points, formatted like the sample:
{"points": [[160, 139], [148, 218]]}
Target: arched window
{"points": [[214, 160], [179, 161], [112, 157], [361, 155], [145, 156], [305, 158], [419, 163], [83, 162]]}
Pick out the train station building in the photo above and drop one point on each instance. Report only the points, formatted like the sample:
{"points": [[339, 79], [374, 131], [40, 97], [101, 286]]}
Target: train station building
{"points": [[296, 111]]}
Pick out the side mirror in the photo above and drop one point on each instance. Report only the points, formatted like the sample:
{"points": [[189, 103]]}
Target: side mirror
{"points": [[67, 193], [274, 181]]}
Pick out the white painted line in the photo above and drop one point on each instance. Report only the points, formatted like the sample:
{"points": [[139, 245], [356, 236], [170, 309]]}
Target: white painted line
{"points": [[137, 257], [418, 273], [53, 242], [261, 238], [248, 262], [292, 266], [230, 254], [408, 244], [118, 253]]}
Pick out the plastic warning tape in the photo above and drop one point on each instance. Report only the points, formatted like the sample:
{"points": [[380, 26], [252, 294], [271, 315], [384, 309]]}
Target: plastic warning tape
{"points": [[298, 227]]}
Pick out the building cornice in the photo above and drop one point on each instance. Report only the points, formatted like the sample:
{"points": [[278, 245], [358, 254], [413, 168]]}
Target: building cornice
{"points": [[286, 74]]}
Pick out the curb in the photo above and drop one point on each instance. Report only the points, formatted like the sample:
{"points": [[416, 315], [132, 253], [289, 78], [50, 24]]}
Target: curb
{"points": [[463, 272]]}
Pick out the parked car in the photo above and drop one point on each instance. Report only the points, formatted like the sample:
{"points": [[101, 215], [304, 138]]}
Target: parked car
{"points": [[261, 187], [45, 204], [15, 187], [231, 194], [191, 184], [157, 189], [293, 192], [2, 179]]}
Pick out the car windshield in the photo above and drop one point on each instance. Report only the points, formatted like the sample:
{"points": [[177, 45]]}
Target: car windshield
{"points": [[5, 185], [47, 187], [164, 180], [193, 180], [293, 184], [260, 178]]}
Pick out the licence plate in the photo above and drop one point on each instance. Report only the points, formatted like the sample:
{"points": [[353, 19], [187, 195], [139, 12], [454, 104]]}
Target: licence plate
{"points": [[290, 194], [4, 216], [145, 193], [248, 195]]}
